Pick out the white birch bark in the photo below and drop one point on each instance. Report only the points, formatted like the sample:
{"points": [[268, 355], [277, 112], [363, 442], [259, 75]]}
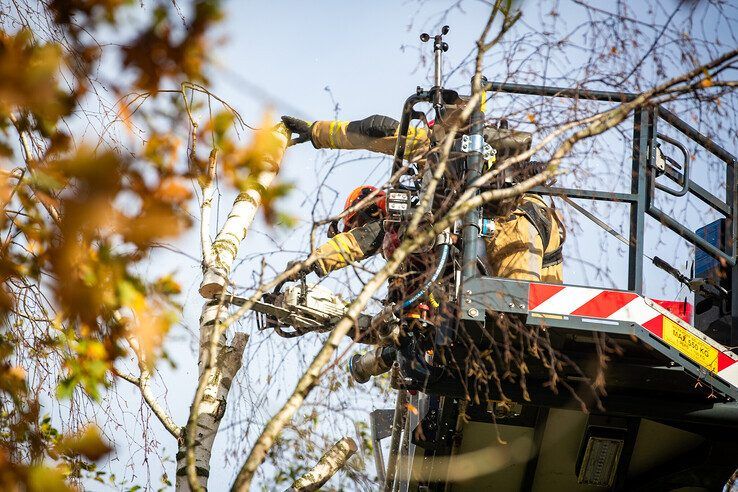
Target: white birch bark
{"points": [[212, 408], [233, 232], [332, 461], [218, 362]]}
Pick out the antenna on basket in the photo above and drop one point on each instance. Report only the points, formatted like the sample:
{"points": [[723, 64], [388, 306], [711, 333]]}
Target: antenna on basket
{"points": [[439, 47]]}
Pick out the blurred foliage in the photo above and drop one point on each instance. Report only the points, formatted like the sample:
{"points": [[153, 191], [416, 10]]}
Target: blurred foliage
{"points": [[156, 53], [244, 165], [80, 215], [89, 186]]}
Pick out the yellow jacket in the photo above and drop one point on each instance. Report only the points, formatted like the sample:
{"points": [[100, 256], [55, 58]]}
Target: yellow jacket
{"points": [[517, 250]]}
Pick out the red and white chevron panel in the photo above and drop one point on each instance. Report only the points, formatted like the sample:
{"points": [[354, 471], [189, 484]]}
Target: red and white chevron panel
{"points": [[563, 300]]}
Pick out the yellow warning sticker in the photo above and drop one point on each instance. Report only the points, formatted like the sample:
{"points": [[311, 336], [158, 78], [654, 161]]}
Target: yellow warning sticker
{"points": [[690, 345]]}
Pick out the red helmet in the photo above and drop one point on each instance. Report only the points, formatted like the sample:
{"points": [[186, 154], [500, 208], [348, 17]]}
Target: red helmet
{"points": [[375, 210]]}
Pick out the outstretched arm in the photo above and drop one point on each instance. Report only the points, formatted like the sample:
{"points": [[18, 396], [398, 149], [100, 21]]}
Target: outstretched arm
{"points": [[376, 133]]}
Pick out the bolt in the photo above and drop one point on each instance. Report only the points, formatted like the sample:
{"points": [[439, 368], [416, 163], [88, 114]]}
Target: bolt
{"points": [[511, 304], [473, 312], [468, 301], [468, 292], [521, 306]]}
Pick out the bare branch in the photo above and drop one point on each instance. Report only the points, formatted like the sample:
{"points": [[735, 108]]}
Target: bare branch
{"points": [[143, 383], [207, 187]]}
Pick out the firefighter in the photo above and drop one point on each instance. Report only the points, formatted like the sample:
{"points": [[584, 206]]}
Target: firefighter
{"points": [[362, 234], [528, 237], [527, 243]]}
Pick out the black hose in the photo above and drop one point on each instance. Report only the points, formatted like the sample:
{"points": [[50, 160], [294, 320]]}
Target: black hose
{"points": [[410, 301]]}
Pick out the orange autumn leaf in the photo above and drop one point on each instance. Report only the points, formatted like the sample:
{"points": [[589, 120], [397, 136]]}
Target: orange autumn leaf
{"points": [[707, 81], [16, 372], [162, 151], [152, 323], [174, 189], [411, 408], [124, 114], [13, 379], [5, 189], [531, 118]]}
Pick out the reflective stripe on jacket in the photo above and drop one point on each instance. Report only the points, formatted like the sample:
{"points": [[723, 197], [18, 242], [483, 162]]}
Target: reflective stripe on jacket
{"points": [[376, 133]]}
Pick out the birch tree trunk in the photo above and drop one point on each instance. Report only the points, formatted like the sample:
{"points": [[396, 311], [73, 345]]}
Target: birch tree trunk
{"points": [[225, 246], [219, 362], [213, 405]]}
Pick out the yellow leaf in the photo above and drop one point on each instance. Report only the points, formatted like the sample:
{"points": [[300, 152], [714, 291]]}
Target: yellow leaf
{"points": [[46, 479], [88, 443], [130, 296], [531, 118], [96, 350], [167, 285], [412, 408]]}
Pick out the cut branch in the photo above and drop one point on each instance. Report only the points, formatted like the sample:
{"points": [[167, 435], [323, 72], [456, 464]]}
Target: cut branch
{"points": [[233, 232], [205, 417], [332, 461]]}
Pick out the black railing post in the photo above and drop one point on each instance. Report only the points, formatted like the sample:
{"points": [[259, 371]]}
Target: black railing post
{"points": [[407, 115], [642, 128], [470, 231], [731, 232]]}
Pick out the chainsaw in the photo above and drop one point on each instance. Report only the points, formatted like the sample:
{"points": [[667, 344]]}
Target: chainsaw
{"points": [[301, 308]]}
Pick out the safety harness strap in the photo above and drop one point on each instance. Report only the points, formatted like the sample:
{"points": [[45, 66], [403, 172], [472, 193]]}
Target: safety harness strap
{"points": [[553, 257], [539, 216]]}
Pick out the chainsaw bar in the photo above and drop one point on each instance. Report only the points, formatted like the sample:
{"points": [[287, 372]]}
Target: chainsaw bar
{"points": [[284, 316], [302, 319]]}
